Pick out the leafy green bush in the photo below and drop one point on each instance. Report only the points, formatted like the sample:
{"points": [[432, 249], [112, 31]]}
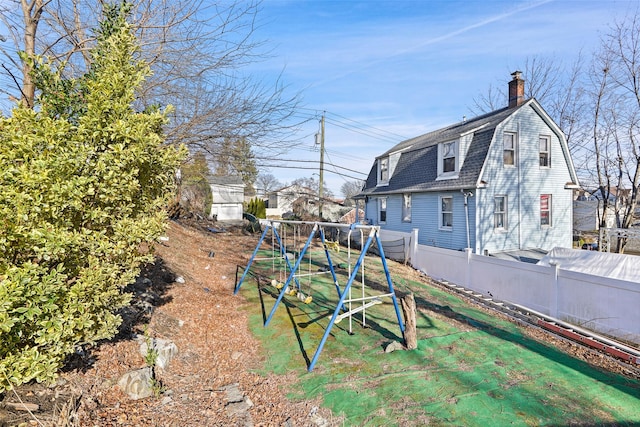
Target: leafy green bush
{"points": [[82, 192]]}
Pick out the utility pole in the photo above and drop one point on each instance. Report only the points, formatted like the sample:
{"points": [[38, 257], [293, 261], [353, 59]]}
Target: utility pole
{"points": [[320, 190]]}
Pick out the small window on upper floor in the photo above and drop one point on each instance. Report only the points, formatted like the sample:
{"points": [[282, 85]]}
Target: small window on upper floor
{"points": [[545, 151], [509, 149], [383, 175], [449, 157], [447, 160]]}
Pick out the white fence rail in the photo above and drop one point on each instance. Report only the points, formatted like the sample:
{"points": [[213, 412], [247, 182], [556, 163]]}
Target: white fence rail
{"points": [[600, 304]]}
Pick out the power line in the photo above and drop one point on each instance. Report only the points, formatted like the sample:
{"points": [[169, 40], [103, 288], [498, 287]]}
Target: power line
{"points": [[311, 168], [309, 161]]}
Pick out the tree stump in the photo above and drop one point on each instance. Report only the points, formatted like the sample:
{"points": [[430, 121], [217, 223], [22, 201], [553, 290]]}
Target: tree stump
{"points": [[409, 310]]}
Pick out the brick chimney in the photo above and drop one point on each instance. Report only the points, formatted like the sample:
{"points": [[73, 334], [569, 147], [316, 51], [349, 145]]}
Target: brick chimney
{"points": [[516, 90]]}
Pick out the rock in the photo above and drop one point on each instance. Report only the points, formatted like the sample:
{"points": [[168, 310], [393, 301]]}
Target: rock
{"points": [[165, 324], [166, 350], [233, 393], [393, 346], [180, 279], [237, 409], [316, 419], [137, 384]]}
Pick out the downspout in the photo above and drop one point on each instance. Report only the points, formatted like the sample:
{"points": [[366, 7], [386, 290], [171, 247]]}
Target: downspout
{"points": [[466, 195], [519, 189]]}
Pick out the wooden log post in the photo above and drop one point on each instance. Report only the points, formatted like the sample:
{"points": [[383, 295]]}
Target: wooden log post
{"points": [[409, 309]]}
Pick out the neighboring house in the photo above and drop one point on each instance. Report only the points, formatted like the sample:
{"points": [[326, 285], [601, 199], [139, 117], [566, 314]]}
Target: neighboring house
{"points": [[228, 198], [502, 181], [280, 202], [332, 209], [354, 216], [588, 208]]}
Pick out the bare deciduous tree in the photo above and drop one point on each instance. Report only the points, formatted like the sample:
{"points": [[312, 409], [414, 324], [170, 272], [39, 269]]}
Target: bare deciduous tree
{"points": [[266, 183], [198, 52], [350, 189], [616, 123]]}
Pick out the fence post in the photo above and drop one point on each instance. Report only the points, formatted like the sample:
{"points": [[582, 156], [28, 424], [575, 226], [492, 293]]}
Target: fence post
{"points": [[467, 277], [553, 306]]}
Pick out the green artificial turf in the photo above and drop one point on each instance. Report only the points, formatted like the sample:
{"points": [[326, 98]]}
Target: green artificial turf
{"points": [[470, 368]]}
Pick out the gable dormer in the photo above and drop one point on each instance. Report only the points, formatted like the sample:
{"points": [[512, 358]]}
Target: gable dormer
{"points": [[448, 159], [383, 171], [386, 166]]}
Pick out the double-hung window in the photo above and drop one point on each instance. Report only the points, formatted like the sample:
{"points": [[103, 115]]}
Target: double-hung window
{"points": [[406, 207], [449, 157], [509, 149], [500, 213], [446, 212], [545, 151], [382, 210], [545, 210], [384, 170]]}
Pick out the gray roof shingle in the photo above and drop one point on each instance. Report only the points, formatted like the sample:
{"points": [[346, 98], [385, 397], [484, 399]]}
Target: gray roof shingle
{"points": [[417, 167]]}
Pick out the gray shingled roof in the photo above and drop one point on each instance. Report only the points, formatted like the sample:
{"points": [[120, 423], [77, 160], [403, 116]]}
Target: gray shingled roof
{"points": [[226, 180], [417, 167]]}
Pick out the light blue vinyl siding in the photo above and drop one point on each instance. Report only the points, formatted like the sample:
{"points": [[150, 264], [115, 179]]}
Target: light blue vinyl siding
{"points": [[424, 217], [523, 186]]}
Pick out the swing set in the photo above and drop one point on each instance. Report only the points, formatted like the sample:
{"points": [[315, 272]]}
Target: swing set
{"points": [[347, 304]]}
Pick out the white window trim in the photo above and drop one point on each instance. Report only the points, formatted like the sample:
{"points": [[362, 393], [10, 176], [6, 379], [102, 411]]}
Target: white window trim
{"points": [[440, 212], [505, 227], [454, 173], [406, 210], [550, 210], [548, 138], [515, 149], [380, 180], [382, 200]]}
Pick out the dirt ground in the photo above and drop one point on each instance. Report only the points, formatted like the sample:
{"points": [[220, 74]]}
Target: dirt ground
{"points": [[187, 297]]}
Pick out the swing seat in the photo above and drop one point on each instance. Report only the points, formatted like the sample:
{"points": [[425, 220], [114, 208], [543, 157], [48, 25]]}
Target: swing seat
{"points": [[291, 291], [335, 246], [305, 298], [278, 285]]}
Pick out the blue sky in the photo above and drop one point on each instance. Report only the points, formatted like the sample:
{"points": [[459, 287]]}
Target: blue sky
{"points": [[385, 71]]}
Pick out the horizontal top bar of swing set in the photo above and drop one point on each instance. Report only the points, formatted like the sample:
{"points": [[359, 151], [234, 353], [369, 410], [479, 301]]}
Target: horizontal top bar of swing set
{"points": [[324, 224]]}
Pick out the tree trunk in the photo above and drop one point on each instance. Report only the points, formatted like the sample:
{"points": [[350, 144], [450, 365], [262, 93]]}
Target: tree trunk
{"points": [[31, 15], [409, 310]]}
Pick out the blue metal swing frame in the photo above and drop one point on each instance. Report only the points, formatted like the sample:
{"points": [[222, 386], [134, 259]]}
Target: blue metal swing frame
{"points": [[374, 235]]}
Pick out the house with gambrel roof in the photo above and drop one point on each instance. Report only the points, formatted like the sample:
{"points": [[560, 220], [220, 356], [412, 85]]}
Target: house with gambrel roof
{"points": [[501, 181]]}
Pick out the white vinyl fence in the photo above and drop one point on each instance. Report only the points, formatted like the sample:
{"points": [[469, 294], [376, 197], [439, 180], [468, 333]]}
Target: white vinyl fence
{"points": [[600, 304]]}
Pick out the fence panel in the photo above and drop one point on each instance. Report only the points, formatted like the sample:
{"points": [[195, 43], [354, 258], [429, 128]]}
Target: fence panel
{"points": [[600, 304]]}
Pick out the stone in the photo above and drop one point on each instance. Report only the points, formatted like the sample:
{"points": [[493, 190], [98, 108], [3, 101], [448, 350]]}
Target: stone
{"points": [[166, 325], [166, 350], [233, 393], [137, 384], [393, 346]]}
